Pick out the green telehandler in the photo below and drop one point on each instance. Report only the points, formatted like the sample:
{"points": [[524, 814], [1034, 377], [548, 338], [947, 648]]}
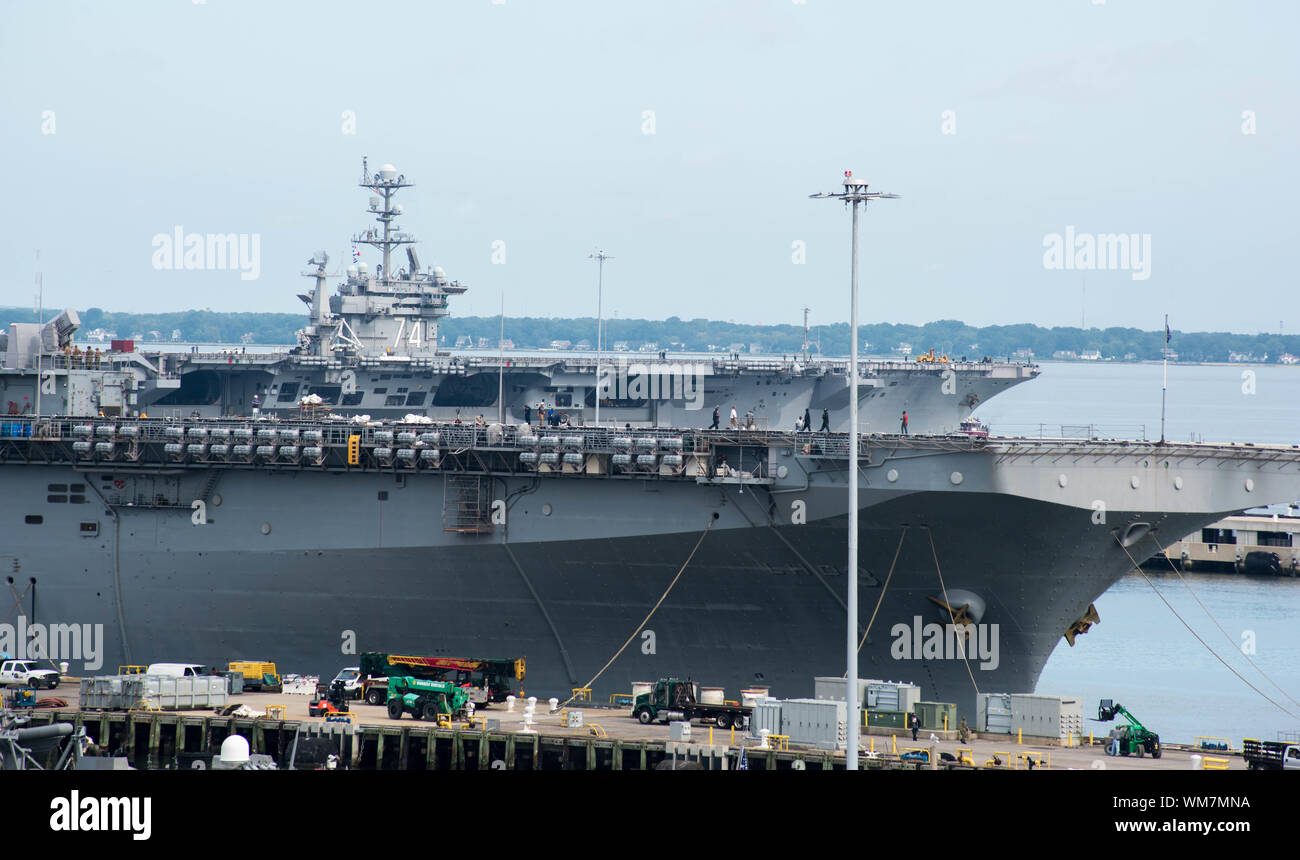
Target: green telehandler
{"points": [[1134, 738], [424, 699]]}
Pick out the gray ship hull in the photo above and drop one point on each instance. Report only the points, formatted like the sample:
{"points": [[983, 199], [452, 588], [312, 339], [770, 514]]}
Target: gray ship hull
{"points": [[308, 568]]}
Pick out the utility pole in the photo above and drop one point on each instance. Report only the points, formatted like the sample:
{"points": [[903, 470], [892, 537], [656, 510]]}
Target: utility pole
{"points": [[1164, 384], [600, 257], [40, 319], [855, 192], [501, 364]]}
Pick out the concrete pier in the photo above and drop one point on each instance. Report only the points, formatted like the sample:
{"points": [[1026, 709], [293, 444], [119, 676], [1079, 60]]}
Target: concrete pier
{"points": [[609, 739]]}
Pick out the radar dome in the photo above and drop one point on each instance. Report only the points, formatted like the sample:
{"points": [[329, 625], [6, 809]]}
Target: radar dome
{"points": [[352, 272], [362, 268], [234, 750], [388, 172]]}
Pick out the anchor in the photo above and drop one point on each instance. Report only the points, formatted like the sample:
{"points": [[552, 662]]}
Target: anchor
{"points": [[963, 619], [961, 616], [1083, 624]]}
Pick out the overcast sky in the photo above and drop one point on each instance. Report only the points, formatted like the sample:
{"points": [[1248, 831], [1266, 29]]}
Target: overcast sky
{"points": [[683, 138]]}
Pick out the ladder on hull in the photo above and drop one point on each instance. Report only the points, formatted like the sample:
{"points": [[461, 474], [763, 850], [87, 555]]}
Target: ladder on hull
{"points": [[467, 504]]}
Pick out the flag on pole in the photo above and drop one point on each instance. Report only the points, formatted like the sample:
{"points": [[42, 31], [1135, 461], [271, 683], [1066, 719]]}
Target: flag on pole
{"points": [[1168, 334]]}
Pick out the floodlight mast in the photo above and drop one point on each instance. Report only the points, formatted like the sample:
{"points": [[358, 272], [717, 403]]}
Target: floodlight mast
{"points": [[855, 192], [600, 257]]}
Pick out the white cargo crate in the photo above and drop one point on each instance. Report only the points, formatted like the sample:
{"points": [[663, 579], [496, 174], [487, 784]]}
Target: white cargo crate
{"points": [[832, 689], [170, 693], [1046, 716], [873, 693], [815, 722], [891, 696], [110, 692], [766, 715]]}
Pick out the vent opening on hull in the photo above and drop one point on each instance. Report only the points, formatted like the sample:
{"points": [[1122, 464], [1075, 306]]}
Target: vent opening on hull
{"points": [[201, 388], [477, 390]]}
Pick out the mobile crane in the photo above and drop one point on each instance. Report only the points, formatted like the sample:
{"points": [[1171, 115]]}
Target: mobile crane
{"points": [[484, 680]]}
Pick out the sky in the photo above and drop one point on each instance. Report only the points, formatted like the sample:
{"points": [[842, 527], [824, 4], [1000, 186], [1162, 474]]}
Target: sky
{"points": [[683, 138]]}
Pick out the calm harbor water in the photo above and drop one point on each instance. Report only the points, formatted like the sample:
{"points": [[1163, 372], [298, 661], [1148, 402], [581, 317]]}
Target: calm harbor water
{"points": [[1141, 654]]}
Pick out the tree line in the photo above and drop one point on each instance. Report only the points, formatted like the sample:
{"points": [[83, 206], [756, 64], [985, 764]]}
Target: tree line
{"points": [[951, 337]]}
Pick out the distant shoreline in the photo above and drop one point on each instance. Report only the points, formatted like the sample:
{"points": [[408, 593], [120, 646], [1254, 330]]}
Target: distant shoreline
{"points": [[264, 348]]}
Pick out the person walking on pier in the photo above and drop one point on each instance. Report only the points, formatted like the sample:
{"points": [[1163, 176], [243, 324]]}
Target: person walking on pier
{"points": [[826, 421], [904, 422], [914, 722], [717, 416], [807, 420], [528, 414], [731, 425]]}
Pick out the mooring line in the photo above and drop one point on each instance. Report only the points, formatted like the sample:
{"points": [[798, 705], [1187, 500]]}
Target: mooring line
{"points": [[960, 639], [881, 598], [1225, 633], [646, 621], [1138, 568]]}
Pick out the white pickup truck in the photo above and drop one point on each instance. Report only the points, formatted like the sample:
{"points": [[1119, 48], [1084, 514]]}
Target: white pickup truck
{"points": [[351, 678], [27, 674], [1270, 755]]}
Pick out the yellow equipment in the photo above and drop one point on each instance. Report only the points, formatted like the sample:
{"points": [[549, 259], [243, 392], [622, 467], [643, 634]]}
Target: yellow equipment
{"points": [[258, 675]]}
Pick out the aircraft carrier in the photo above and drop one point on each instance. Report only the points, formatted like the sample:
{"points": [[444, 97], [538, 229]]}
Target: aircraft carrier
{"points": [[303, 538], [372, 348], [212, 540]]}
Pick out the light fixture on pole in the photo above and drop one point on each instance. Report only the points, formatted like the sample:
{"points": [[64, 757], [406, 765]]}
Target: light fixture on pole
{"points": [[855, 192], [600, 257]]}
